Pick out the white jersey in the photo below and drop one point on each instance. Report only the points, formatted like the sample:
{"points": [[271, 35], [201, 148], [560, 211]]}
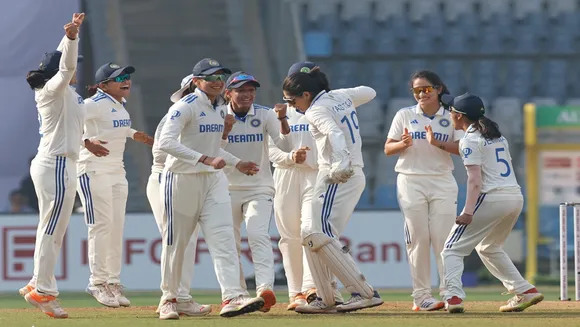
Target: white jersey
{"points": [[106, 120], [299, 136], [423, 158], [248, 140], [193, 129], [334, 124], [159, 156], [493, 156], [60, 109]]}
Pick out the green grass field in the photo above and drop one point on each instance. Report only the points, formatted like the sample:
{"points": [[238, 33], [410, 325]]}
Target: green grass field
{"points": [[481, 310]]}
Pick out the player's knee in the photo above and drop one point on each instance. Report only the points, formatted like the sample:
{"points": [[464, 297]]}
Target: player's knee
{"points": [[488, 249], [315, 241]]}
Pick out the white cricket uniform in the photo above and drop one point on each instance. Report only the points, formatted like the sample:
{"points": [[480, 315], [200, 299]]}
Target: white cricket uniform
{"points": [[496, 212], [103, 188], [252, 196], [53, 169], [195, 193], [154, 197], [427, 192], [294, 184], [334, 127]]}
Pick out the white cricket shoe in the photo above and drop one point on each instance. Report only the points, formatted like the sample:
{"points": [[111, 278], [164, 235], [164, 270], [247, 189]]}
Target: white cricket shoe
{"points": [[192, 308], [26, 289], [428, 304], [103, 295], [117, 290], [241, 305], [357, 302], [317, 306], [521, 302], [296, 301], [168, 310], [46, 303]]}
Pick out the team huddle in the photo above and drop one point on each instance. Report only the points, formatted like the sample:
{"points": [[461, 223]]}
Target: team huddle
{"points": [[211, 172]]}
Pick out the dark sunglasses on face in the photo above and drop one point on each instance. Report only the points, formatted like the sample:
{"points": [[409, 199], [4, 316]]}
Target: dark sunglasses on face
{"points": [[290, 100], [121, 78], [425, 89], [213, 78]]}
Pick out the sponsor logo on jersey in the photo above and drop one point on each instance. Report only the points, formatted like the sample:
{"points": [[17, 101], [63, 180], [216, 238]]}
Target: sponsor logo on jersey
{"points": [[255, 122], [414, 121], [299, 128], [444, 122], [121, 123], [202, 114], [211, 128], [246, 138], [423, 136], [113, 110]]}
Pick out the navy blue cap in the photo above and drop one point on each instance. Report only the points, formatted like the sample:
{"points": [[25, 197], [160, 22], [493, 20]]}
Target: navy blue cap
{"points": [[51, 62], [238, 79], [303, 66], [208, 66], [468, 104], [110, 71]]}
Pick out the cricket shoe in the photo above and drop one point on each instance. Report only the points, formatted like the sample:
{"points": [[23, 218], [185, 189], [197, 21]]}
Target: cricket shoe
{"points": [[297, 300], [521, 302], [357, 302], [168, 310], [316, 307], [26, 289], [454, 305], [192, 308], [103, 294], [241, 305], [118, 292], [428, 304], [269, 299], [311, 295], [46, 303]]}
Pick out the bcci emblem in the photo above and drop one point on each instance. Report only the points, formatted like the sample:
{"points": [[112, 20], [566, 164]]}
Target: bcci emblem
{"points": [[305, 70], [467, 152], [114, 66], [213, 63], [444, 122], [223, 114], [255, 122]]}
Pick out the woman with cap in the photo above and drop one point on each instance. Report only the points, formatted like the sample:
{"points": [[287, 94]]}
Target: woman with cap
{"points": [[61, 116], [185, 303], [194, 190], [424, 139], [339, 184], [252, 196], [493, 204], [102, 184]]}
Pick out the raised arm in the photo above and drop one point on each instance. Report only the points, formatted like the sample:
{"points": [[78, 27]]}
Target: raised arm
{"points": [[360, 94], [276, 128], [398, 139]]}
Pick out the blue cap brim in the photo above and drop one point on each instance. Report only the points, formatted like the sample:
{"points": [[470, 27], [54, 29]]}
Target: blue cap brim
{"points": [[240, 83], [215, 69], [447, 99], [126, 69]]}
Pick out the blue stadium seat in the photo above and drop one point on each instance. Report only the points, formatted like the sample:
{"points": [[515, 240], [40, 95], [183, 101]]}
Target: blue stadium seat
{"points": [[554, 78], [544, 101], [484, 78], [456, 40], [457, 9], [421, 42], [451, 72], [409, 67], [521, 73], [318, 44], [370, 118], [489, 43], [561, 40], [508, 113], [385, 41], [380, 79], [353, 39], [346, 74], [385, 190]]}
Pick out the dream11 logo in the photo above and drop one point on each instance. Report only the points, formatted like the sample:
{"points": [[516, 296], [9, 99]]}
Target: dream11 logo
{"points": [[18, 254]]}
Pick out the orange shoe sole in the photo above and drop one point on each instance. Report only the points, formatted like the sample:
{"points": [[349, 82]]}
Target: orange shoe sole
{"points": [[269, 300]]}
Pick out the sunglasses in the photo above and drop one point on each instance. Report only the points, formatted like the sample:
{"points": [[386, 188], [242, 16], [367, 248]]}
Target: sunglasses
{"points": [[213, 78], [425, 89], [290, 100], [121, 78]]}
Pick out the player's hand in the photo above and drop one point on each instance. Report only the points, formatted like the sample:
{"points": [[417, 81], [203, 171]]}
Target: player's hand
{"points": [[143, 138], [71, 30], [281, 110], [78, 19], [406, 138], [95, 147], [464, 219], [229, 122], [430, 135], [217, 162], [299, 156], [248, 168], [341, 169]]}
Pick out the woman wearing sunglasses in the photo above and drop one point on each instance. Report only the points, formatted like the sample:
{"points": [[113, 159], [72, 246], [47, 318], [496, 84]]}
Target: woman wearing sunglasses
{"points": [[194, 190], [424, 138], [185, 303], [340, 182], [252, 196], [102, 184]]}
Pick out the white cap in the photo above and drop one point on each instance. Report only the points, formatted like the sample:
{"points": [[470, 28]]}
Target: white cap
{"points": [[184, 85]]}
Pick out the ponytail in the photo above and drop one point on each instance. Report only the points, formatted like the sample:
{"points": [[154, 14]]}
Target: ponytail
{"points": [[314, 82], [320, 77], [92, 89], [487, 127], [444, 90], [189, 90], [36, 79]]}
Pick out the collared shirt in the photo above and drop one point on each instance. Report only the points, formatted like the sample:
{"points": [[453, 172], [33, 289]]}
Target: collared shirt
{"points": [[422, 158]]}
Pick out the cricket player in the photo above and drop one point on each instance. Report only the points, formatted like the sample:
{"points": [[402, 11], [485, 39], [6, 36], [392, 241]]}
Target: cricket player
{"points": [[252, 196], [102, 184], [185, 303], [424, 139], [60, 116], [194, 190], [340, 182], [493, 204]]}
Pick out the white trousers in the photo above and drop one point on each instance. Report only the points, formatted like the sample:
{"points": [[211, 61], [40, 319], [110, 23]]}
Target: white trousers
{"points": [[153, 187], [429, 204], [255, 209], [292, 205], [104, 197], [494, 218], [54, 182], [189, 200]]}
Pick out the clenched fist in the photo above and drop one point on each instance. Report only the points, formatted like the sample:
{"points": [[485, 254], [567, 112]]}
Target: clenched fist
{"points": [[299, 156], [281, 110], [248, 168], [229, 122]]}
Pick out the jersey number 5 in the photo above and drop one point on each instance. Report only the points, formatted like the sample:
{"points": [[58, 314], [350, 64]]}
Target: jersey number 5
{"points": [[354, 123], [503, 161]]}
